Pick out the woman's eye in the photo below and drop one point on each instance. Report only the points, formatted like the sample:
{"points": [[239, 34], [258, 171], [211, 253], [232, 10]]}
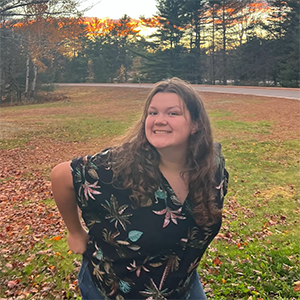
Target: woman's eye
{"points": [[173, 113], [152, 113]]}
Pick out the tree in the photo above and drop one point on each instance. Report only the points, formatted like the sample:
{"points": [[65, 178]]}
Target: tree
{"points": [[248, 58], [227, 16], [22, 8], [171, 22], [29, 23], [9, 8], [195, 12], [166, 45], [252, 62], [11, 60], [212, 6], [109, 48], [281, 33], [289, 65], [45, 39]]}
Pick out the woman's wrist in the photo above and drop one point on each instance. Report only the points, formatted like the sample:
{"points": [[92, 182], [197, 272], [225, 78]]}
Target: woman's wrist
{"points": [[77, 231]]}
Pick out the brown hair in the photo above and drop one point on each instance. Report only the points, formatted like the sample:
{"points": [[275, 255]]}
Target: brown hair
{"points": [[136, 162]]}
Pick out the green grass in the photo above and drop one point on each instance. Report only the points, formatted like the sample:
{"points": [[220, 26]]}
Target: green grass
{"points": [[242, 127], [71, 129], [216, 114], [48, 264], [86, 129], [257, 270], [70, 121], [11, 143]]}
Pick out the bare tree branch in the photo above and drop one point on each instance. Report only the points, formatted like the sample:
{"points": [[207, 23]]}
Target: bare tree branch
{"points": [[18, 5]]}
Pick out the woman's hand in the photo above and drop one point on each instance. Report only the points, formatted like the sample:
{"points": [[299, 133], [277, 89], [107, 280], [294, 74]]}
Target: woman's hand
{"points": [[78, 241]]}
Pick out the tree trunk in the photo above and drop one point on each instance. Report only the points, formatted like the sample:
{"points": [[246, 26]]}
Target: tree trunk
{"points": [[199, 74], [27, 77], [0, 59], [35, 73], [213, 79], [224, 76]]}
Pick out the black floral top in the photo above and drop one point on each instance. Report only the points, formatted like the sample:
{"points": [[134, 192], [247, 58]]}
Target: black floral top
{"points": [[150, 252]]}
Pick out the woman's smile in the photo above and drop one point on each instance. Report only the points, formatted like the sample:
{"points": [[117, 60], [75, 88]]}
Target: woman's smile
{"points": [[162, 131]]}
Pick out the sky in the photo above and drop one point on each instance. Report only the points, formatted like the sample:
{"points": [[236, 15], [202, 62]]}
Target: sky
{"points": [[115, 9]]}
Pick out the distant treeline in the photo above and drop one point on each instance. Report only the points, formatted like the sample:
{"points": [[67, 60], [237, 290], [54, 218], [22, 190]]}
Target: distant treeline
{"points": [[213, 42]]}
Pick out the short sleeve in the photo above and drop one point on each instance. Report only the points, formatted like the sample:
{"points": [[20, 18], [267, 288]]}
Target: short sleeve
{"points": [[83, 185], [221, 177], [91, 175]]}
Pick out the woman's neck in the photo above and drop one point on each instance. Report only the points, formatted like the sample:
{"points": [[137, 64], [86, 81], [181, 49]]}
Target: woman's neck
{"points": [[172, 166], [172, 162]]}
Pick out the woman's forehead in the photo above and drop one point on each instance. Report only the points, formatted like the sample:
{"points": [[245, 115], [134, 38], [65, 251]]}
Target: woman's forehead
{"points": [[166, 99]]}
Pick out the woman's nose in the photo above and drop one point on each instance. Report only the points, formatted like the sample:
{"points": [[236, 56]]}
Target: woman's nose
{"points": [[160, 120]]}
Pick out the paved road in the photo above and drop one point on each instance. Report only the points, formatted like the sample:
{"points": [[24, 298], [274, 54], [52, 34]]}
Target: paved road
{"points": [[287, 93]]}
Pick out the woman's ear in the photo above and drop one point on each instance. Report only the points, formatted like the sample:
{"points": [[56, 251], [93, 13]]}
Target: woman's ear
{"points": [[194, 128]]}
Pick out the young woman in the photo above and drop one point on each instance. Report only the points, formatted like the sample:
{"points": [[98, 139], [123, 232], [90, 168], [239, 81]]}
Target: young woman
{"points": [[152, 205]]}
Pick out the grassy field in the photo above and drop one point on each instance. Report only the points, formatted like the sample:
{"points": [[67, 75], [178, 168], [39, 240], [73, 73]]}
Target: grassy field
{"points": [[255, 256]]}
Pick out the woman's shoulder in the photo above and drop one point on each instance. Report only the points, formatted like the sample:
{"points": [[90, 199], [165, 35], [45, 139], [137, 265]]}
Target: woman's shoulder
{"points": [[93, 161], [96, 166], [219, 157], [61, 174]]}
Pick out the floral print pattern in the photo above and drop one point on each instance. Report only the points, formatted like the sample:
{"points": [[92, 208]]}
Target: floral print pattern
{"points": [[89, 190], [170, 214], [115, 212], [149, 252]]}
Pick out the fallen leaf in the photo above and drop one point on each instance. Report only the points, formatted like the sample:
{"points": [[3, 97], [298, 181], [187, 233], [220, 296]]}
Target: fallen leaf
{"points": [[12, 283], [217, 261], [297, 286]]}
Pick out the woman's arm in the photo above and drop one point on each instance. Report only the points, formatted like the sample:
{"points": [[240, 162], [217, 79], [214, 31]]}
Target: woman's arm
{"points": [[64, 196]]}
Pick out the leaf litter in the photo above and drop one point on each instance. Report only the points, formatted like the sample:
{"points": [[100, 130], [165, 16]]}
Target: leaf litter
{"points": [[27, 219]]}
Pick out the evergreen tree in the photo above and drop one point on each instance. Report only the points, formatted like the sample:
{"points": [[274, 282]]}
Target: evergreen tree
{"points": [[166, 45], [196, 20], [289, 65], [228, 14], [281, 29], [171, 22]]}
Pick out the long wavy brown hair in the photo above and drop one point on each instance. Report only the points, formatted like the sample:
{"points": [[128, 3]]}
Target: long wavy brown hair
{"points": [[135, 162]]}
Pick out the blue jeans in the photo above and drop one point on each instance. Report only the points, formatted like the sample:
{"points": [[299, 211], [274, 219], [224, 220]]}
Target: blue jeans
{"points": [[89, 291]]}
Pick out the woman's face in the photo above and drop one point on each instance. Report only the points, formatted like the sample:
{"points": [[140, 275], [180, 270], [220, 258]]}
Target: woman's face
{"points": [[168, 124]]}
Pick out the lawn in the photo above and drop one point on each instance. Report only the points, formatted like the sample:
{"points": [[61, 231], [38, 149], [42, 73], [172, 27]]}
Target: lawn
{"points": [[255, 256]]}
